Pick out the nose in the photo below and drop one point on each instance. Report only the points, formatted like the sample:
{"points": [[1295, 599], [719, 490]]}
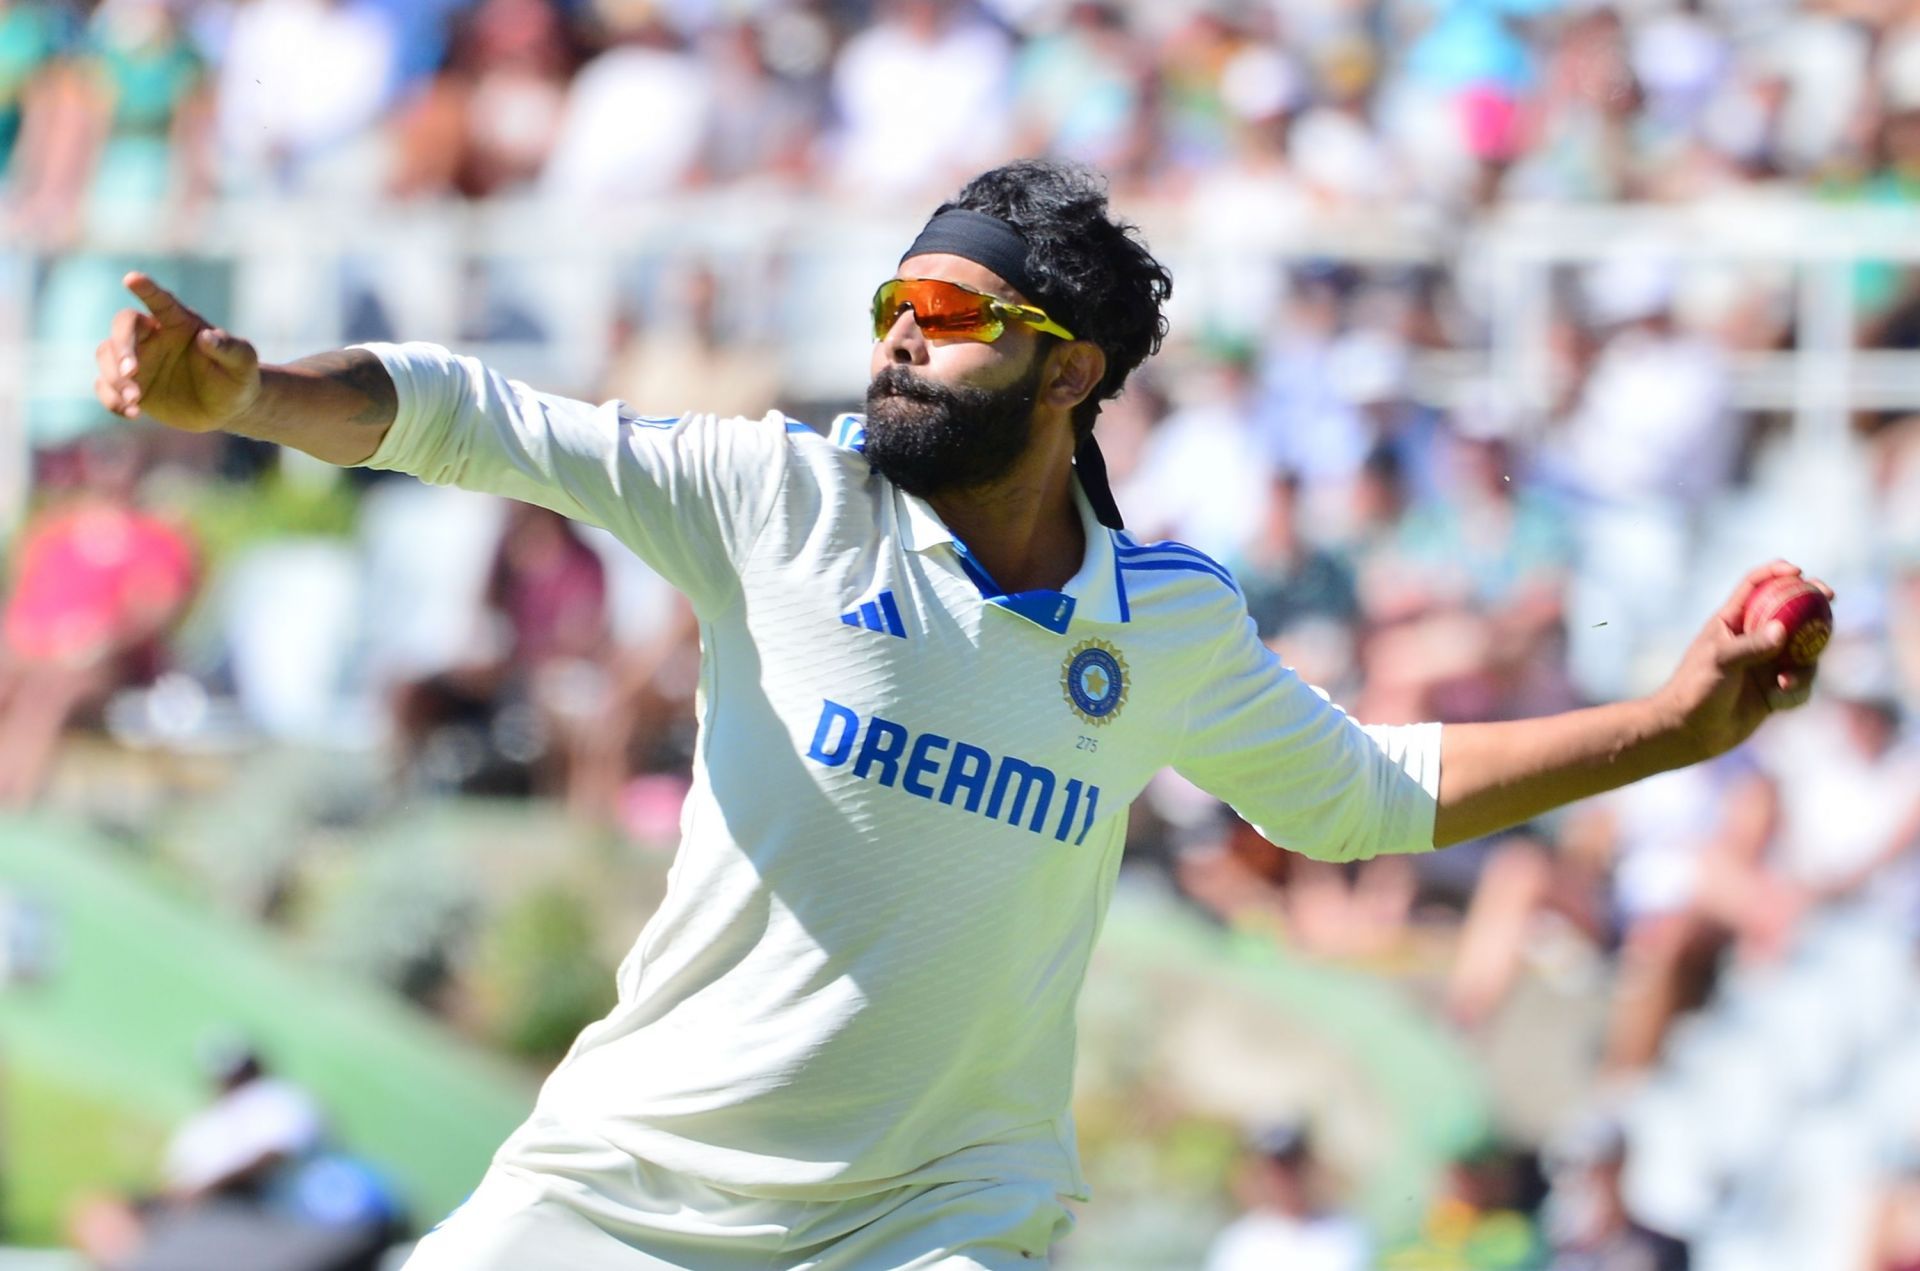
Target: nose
{"points": [[904, 343]]}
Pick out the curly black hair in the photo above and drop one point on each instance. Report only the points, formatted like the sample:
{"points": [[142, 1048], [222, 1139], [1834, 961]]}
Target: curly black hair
{"points": [[1092, 272]]}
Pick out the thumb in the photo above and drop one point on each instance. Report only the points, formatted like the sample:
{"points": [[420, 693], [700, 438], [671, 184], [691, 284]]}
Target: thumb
{"points": [[1756, 647], [228, 350]]}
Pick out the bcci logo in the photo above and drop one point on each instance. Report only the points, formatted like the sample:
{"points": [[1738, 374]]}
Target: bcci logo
{"points": [[1095, 681]]}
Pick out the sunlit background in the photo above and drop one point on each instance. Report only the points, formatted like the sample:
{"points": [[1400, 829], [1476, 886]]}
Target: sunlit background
{"points": [[1507, 334]]}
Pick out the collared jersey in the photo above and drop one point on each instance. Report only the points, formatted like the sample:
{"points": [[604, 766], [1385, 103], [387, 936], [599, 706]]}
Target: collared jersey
{"points": [[909, 793]]}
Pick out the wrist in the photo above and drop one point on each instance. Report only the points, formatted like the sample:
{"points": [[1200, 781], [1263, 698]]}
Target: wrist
{"points": [[1665, 733], [249, 418]]}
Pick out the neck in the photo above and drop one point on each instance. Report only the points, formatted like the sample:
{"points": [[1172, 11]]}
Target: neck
{"points": [[1025, 528]]}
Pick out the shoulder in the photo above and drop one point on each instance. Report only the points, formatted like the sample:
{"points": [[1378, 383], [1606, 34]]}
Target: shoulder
{"points": [[1173, 574], [772, 434], [814, 483]]}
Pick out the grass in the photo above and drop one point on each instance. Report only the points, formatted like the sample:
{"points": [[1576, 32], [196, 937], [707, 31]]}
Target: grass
{"points": [[143, 977], [76, 1142]]}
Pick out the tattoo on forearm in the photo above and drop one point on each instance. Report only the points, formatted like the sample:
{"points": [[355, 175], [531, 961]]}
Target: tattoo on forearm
{"points": [[360, 371]]}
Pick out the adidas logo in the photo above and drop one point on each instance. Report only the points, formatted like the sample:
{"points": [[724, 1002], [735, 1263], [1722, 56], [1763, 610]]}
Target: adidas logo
{"points": [[879, 614]]}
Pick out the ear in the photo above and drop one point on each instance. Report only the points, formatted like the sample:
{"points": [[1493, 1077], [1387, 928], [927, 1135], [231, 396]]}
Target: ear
{"points": [[1078, 368]]}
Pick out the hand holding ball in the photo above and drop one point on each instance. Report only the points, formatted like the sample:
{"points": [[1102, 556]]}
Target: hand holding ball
{"points": [[1799, 606]]}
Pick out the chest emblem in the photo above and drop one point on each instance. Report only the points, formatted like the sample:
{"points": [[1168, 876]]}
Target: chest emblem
{"points": [[1094, 680]]}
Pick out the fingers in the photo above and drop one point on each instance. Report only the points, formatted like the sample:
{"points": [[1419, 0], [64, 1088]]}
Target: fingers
{"points": [[1790, 689], [117, 362], [130, 327], [118, 357], [229, 350], [1754, 647], [159, 301], [1737, 602], [114, 400]]}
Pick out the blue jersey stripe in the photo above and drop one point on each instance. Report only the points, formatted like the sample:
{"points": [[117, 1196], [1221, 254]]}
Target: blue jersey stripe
{"points": [[1188, 566], [1120, 581], [891, 611], [988, 588], [1178, 549], [870, 617], [1171, 551]]}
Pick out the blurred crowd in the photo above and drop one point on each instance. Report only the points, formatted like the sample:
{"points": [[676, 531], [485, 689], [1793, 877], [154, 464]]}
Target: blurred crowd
{"points": [[1420, 555], [1325, 103]]}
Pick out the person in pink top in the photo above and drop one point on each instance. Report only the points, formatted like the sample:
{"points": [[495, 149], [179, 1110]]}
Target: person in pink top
{"points": [[96, 584]]}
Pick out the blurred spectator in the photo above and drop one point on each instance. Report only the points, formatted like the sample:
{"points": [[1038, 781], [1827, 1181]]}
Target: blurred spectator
{"points": [[97, 585], [1202, 479], [1629, 874], [118, 126], [1848, 782], [1306, 420], [1290, 1221], [1585, 144], [1355, 911], [1490, 542], [1903, 623], [1193, 113], [256, 1123], [1588, 1223], [1482, 1220], [31, 33], [1652, 421], [1893, 1240], [498, 722], [1287, 579], [1821, 57], [1465, 601], [642, 730], [250, 1186], [485, 123], [1649, 442], [1481, 568], [684, 354], [132, 129], [148, 113], [1333, 144], [302, 86], [1080, 90], [29, 940], [768, 100], [648, 74], [953, 68]]}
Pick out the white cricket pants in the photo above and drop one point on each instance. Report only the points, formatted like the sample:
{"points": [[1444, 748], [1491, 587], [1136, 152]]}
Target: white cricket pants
{"points": [[517, 1221]]}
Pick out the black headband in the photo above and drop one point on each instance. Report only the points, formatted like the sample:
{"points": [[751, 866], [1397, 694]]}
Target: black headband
{"points": [[987, 240], [980, 238]]}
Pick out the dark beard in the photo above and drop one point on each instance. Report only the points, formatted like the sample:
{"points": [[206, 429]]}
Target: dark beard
{"points": [[930, 438]]}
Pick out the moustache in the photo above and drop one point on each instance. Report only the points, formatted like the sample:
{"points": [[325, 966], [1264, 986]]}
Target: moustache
{"points": [[897, 381]]}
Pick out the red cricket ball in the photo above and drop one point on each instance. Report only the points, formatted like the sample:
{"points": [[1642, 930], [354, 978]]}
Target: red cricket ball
{"points": [[1802, 607]]}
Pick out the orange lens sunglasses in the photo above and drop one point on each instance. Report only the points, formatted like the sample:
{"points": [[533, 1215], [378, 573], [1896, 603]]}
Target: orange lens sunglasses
{"points": [[949, 311]]}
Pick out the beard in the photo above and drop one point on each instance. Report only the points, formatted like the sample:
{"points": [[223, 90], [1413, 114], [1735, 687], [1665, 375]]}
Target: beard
{"points": [[929, 438]]}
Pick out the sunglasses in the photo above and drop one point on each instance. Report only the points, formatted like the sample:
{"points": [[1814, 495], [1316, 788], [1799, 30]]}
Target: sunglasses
{"points": [[948, 311]]}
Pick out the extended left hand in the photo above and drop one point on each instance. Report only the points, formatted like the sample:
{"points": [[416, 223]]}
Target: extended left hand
{"points": [[1728, 681]]}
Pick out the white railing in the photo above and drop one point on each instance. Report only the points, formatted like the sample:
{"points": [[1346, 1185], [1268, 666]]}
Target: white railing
{"points": [[816, 261]]}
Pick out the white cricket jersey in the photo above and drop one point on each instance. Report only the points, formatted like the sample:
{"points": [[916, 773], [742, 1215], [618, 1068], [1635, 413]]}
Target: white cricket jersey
{"points": [[909, 793]]}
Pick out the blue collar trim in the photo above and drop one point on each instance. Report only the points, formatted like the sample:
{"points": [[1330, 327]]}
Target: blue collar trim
{"points": [[1051, 610]]}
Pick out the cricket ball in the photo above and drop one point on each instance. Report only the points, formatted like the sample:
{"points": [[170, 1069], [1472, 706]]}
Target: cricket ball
{"points": [[1798, 605]]}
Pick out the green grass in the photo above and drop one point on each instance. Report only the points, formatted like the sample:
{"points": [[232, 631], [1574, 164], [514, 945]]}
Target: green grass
{"points": [[74, 1142], [144, 976]]}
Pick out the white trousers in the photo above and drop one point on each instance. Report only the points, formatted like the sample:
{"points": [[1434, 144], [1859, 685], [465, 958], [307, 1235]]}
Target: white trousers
{"points": [[517, 1221]]}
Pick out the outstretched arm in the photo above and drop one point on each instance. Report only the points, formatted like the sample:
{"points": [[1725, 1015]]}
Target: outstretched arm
{"points": [[171, 363], [1496, 775]]}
